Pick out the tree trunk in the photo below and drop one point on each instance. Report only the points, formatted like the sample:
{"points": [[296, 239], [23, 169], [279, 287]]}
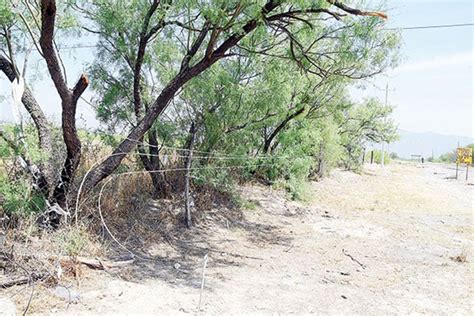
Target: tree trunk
{"points": [[48, 179], [167, 94], [151, 162], [160, 185], [73, 152], [69, 98], [126, 146], [268, 142], [321, 161], [187, 197]]}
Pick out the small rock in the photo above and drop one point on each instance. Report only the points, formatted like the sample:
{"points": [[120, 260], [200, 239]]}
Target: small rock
{"points": [[7, 307], [344, 297], [67, 294]]}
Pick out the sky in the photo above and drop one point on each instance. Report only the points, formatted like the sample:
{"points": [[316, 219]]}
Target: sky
{"points": [[431, 89]]}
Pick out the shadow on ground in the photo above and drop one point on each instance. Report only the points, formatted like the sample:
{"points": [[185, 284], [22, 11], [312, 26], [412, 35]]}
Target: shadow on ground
{"points": [[165, 249]]}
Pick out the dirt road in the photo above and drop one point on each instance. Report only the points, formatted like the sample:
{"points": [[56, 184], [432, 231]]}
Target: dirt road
{"points": [[385, 241]]}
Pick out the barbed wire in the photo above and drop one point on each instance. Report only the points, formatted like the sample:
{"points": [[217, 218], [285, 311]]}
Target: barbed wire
{"points": [[209, 157], [112, 177]]}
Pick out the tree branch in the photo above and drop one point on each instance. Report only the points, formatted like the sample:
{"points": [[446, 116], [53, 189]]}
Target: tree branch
{"points": [[353, 11], [48, 16]]}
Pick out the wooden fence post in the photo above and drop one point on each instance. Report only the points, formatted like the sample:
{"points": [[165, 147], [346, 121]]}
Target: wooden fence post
{"points": [[187, 211]]}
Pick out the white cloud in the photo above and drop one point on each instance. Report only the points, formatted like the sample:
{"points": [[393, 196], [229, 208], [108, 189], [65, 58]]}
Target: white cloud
{"points": [[456, 59]]}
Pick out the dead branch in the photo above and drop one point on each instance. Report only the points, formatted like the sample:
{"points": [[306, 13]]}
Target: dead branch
{"points": [[99, 264], [353, 259], [4, 284], [353, 11]]}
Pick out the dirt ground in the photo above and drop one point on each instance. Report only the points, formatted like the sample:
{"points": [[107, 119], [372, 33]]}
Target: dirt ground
{"points": [[388, 240]]}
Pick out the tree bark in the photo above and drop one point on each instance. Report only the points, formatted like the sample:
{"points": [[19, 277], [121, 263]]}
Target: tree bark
{"points": [[268, 142], [69, 100], [42, 127], [321, 161]]}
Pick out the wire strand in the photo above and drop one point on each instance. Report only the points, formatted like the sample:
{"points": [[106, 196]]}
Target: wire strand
{"points": [[423, 27], [101, 192], [419, 27]]}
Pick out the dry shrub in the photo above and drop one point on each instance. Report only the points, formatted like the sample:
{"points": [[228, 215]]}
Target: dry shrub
{"points": [[70, 268], [130, 213], [46, 255], [207, 197], [462, 257], [137, 220]]}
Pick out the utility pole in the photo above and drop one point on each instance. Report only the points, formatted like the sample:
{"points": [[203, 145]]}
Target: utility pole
{"points": [[383, 143], [457, 165]]}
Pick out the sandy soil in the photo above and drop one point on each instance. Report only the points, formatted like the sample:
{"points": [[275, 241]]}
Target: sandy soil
{"points": [[384, 241]]}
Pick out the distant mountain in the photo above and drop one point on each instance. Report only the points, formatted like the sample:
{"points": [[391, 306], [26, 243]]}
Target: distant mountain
{"points": [[425, 144]]}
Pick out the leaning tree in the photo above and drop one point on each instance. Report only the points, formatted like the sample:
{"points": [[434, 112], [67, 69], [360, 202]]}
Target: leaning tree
{"points": [[204, 34], [197, 35]]}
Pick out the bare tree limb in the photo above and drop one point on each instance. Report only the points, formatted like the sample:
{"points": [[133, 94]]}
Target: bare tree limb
{"points": [[353, 11]]}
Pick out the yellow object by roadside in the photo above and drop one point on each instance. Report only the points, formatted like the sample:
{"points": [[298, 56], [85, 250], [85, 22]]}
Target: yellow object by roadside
{"points": [[464, 155]]}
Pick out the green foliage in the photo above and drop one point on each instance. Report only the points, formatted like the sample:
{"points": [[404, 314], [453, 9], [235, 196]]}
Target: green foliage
{"points": [[449, 157], [18, 198], [16, 191], [298, 189], [378, 157], [362, 124], [73, 241], [278, 100], [244, 203], [28, 147], [6, 15]]}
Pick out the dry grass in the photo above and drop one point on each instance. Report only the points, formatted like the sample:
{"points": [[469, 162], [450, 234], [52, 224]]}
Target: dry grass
{"points": [[138, 221], [45, 258]]}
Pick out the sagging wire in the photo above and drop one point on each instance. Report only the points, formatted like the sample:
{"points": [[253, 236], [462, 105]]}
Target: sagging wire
{"points": [[112, 177]]}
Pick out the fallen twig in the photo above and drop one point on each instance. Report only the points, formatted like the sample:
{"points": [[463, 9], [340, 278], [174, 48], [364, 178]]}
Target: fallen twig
{"points": [[99, 264], [15, 281], [204, 264], [353, 259]]}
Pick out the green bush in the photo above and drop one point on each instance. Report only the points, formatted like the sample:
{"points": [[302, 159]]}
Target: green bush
{"points": [[299, 190], [377, 157], [18, 198], [448, 157], [73, 241]]}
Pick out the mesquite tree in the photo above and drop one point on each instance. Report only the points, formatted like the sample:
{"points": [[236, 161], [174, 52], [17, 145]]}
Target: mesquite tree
{"points": [[368, 122], [39, 25], [199, 35], [158, 47], [210, 33]]}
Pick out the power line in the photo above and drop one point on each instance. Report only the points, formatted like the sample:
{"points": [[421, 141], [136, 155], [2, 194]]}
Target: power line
{"points": [[440, 26], [420, 27], [78, 47]]}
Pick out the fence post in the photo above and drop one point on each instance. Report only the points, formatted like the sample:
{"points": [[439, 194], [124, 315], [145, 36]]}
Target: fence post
{"points": [[187, 210]]}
